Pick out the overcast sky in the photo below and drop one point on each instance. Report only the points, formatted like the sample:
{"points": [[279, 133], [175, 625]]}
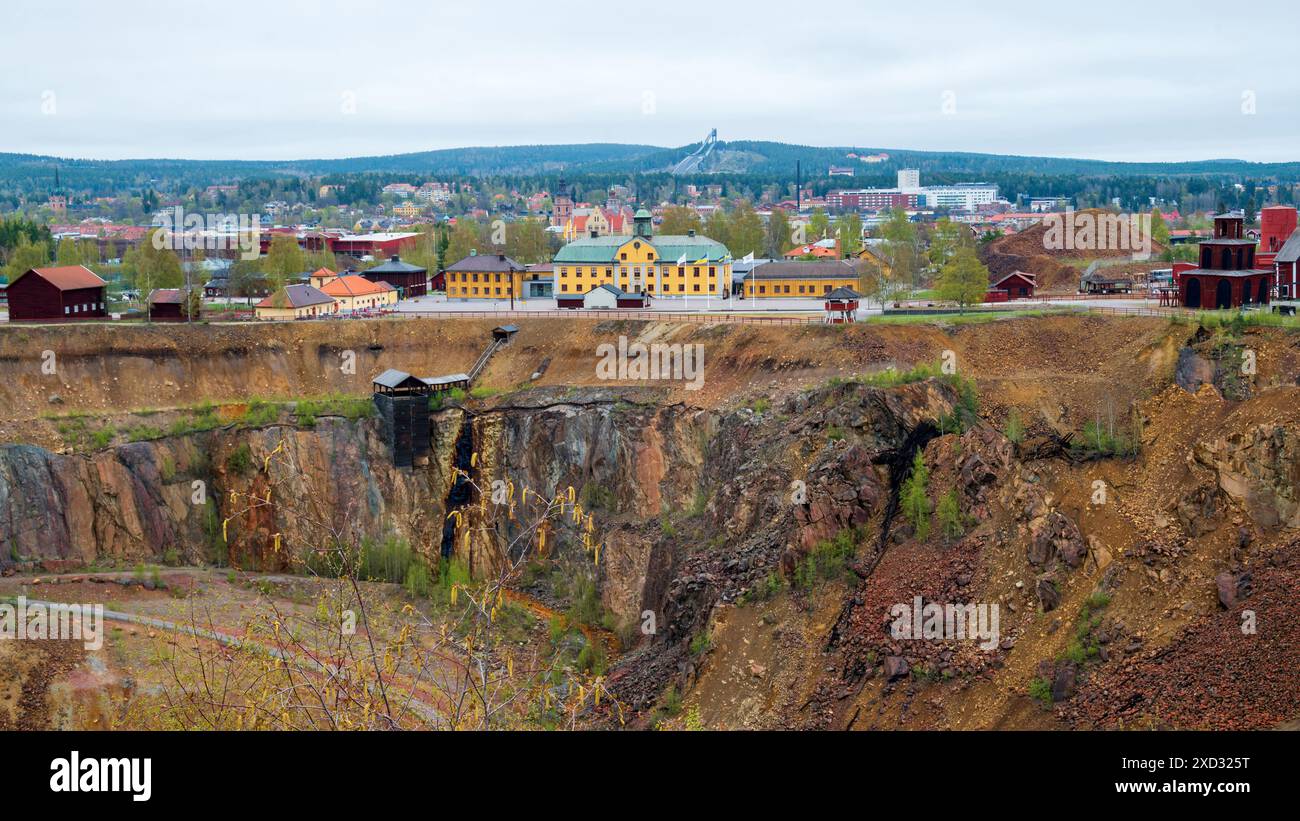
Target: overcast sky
{"points": [[319, 78]]}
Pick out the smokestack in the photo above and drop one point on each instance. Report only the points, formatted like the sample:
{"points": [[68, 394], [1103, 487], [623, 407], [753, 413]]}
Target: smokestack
{"points": [[798, 186]]}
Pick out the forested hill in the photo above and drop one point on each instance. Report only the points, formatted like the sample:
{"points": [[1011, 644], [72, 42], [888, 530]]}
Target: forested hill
{"points": [[33, 173]]}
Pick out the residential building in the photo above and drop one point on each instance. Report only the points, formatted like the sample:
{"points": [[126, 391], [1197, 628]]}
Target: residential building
{"points": [[355, 293], [295, 302]]}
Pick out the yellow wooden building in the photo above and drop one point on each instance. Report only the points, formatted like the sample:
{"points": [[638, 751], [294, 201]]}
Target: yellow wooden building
{"points": [[682, 265], [296, 302], [495, 276], [808, 279], [356, 293]]}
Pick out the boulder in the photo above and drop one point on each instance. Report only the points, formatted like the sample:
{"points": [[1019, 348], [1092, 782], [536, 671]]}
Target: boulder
{"points": [[896, 667]]}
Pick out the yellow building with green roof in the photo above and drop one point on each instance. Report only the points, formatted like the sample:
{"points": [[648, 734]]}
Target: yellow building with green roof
{"points": [[670, 265]]}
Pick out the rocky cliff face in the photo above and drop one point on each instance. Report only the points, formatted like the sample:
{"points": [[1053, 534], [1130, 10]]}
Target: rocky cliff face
{"points": [[145, 500], [1260, 468], [172, 496]]}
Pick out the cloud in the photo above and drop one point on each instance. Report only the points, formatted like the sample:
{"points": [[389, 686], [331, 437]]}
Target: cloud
{"points": [[270, 80]]}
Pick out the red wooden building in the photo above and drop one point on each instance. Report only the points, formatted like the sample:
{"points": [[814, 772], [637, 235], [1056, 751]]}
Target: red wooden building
{"points": [[1017, 284], [167, 305], [1227, 276], [409, 280], [65, 292]]}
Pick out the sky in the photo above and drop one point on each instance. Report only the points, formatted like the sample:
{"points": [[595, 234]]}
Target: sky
{"points": [[304, 79]]}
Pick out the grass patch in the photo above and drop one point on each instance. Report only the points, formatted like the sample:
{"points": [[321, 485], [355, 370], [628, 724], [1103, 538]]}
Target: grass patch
{"points": [[352, 408], [1040, 689]]}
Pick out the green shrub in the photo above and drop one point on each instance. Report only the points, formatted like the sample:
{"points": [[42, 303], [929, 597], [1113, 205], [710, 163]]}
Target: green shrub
{"points": [[592, 658], [387, 561], [144, 433], [915, 501], [1041, 689], [585, 606], [672, 702], [261, 413], [702, 642], [595, 496], [828, 560], [240, 460], [417, 581], [949, 513], [451, 572], [1014, 429], [700, 503]]}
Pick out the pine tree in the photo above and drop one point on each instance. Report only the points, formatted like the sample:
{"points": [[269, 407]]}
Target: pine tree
{"points": [[915, 502]]}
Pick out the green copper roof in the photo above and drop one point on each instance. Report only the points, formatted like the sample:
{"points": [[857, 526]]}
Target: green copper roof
{"points": [[669, 247]]}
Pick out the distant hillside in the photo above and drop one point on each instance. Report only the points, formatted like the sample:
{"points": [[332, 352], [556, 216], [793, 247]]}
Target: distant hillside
{"points": [[27, 172]]}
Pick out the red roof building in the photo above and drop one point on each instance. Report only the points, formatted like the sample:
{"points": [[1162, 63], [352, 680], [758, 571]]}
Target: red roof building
{"points": [[1017, 284], [65, 292]]}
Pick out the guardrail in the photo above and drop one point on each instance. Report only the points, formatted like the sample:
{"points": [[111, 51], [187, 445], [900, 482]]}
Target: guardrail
{"points": [[656, 316]]}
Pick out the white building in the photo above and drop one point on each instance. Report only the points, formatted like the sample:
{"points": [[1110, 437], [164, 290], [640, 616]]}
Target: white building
{"points": [[964, 197]]}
